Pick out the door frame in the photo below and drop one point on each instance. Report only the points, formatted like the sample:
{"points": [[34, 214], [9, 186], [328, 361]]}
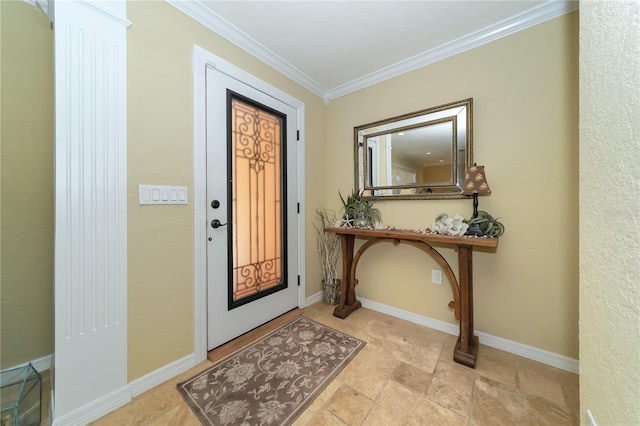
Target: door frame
{"points": [[202, 59]]}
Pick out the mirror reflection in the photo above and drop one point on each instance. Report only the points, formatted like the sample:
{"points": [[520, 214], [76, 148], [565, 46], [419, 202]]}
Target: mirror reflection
{"points": [[419, 155]]}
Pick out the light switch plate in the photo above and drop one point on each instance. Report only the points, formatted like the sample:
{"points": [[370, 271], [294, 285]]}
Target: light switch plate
{"points": [[158, 194]]}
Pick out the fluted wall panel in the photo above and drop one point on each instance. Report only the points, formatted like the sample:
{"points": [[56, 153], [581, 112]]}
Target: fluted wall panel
{"points": [[90, 275]]}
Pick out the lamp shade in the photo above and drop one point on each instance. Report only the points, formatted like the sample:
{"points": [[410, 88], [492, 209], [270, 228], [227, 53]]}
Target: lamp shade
{"points": [[475, 182]]}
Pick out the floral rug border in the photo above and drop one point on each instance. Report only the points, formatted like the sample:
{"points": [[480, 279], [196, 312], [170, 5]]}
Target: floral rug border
{"points": [[273, 380]]}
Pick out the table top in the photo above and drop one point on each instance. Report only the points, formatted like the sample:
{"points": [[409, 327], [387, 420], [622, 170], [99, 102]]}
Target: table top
{"points": [[398, 234]]}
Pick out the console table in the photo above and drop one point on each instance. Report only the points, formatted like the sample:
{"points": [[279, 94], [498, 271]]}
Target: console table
{"points": [[466, 348]]}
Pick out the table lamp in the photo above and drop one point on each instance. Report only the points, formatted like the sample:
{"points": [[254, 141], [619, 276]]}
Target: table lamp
{"points": [[475, 183]]}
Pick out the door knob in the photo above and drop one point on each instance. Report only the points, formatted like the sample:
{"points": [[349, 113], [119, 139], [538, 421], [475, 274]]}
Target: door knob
{"points": [[215, 223]]}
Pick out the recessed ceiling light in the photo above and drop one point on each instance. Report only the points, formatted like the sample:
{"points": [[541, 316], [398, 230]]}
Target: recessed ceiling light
{"points": [[401, 133], [440, 161], [427, 153]]}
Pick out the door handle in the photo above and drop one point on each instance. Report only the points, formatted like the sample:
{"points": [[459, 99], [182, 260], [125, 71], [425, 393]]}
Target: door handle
{"points": [[215, 223]]}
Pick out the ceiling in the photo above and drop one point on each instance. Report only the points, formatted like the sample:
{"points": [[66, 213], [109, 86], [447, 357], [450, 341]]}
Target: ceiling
{"points": [[336, 47]]}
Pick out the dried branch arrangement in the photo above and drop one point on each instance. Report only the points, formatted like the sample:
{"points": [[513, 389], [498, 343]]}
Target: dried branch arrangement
{"points": [[328, 244]]}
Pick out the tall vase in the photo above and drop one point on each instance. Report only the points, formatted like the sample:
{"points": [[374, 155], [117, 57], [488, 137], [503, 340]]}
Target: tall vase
{"points": [[331, 291]]}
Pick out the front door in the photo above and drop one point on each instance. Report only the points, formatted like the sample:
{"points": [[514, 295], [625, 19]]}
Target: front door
{"points": [[251, 208]]}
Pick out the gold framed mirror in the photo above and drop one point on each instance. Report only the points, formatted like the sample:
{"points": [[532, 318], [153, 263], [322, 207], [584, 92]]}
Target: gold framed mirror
{"points": [[420, 155]]}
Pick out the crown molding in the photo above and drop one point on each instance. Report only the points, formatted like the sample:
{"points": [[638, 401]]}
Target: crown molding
{"points": [[225, 29], [46, 7], [522, 21], [109, 13], [537, 15]]}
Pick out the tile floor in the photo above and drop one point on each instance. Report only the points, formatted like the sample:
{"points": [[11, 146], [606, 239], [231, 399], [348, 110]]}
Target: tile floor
{"points": [[404, 376]]}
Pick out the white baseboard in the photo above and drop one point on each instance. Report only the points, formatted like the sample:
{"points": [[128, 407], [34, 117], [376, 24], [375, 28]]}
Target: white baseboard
{"points": [[545, 357], [161, 375], [103, 406], [313, 299], [555, 360], [40, 364], [95, 409]]}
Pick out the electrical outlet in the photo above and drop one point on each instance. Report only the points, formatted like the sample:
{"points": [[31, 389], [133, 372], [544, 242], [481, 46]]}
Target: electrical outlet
{"points": [[436, 276]]}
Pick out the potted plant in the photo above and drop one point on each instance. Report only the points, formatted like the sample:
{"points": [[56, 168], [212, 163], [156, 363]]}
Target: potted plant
{"points": [[489, 225], [329, 251], [359, 212]]}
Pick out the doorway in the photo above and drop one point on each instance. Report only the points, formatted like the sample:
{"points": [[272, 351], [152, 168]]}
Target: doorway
{"points": [[234, 83], [252, 207]]}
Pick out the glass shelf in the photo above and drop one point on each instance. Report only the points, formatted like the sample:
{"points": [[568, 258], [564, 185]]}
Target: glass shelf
{"points": [[20, 393]]}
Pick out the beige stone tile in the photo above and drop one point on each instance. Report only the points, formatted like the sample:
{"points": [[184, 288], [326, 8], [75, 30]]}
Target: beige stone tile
{"points": [[362, 313], [190, 372], [540, 411], [401, 330], [374, 333], [46, 398], [407, 342], [372, 315], [553, 384], [324, 418], [156, 402], [497, 365], [398, 405], [318, 403], [452, 387], [122, 416], [424, 357], [369, 371], [405, 375], [446, 355], [413, 378], [179, 415], [572, 394], [420, 334], [347, 325], [161, 398], [349, 405], [318, 309], [542, 380], [448, 347], [496, 403]]}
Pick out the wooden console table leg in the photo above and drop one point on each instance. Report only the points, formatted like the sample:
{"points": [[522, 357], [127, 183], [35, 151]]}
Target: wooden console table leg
{"points": [[348, 302], [466, 349]]}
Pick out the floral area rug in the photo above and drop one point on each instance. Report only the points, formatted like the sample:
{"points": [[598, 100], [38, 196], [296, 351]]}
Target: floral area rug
{"points": [[274, 379]]}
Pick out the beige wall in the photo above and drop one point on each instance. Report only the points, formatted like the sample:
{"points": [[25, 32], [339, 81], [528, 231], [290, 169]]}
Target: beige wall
{"points": [[160, 123], [26, 310], [525, 90], [609, 206]]}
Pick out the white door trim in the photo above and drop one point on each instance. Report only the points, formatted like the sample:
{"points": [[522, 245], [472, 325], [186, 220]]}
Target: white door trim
{"points": [[202, 59]]}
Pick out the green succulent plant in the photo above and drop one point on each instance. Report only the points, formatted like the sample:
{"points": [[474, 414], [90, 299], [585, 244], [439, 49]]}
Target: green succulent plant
{"points": [[355, 206], [489, 225]]}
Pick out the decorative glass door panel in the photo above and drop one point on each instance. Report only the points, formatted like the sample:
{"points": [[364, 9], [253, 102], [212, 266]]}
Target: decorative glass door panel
{"points": [[257, 187]]}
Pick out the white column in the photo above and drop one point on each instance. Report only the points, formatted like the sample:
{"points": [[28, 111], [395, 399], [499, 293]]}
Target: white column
{"points": [[90, 359]]}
